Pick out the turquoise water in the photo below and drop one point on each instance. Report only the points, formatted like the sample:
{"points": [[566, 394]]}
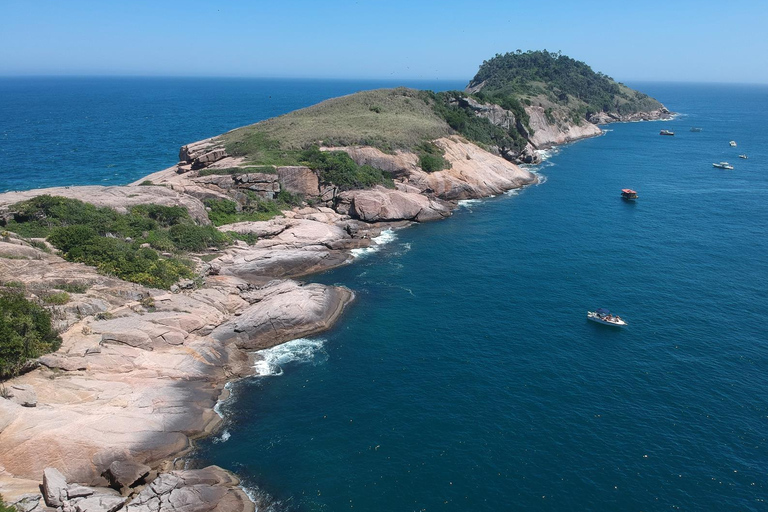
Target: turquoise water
{"points": [[465, 375]]}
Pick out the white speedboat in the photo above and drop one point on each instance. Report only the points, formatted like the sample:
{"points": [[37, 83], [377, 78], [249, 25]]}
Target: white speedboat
{"points": [[732, 143], [743, 156], [605, 317], [723, 165]]}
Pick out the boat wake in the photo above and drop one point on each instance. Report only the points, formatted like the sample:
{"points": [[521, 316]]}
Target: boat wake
{"points": [[386, 236], [271, 361]]}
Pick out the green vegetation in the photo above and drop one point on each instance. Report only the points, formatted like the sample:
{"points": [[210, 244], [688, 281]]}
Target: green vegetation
{"points": [[25, 333], [55, 298], [431, 157], [388, 119], [225, 211], [552, 78], [112, 242], [229, 171], [462, 118], [337, 167], [4, 507]]}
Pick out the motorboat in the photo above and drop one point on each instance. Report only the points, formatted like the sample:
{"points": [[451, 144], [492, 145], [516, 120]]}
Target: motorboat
{"points": [[605, 317], [743, 156], [628, 194], [666, 132], [723, 165], [732, 143], [695, 129]]}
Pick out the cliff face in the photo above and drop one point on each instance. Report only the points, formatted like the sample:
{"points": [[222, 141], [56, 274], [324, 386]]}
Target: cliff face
{"points": [[553, 130]]}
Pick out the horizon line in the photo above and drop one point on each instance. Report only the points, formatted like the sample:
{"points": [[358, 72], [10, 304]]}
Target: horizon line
{"points": [[379, 79]]}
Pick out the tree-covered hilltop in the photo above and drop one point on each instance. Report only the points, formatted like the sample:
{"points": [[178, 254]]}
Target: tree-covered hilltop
{"points": [[553, 80]]}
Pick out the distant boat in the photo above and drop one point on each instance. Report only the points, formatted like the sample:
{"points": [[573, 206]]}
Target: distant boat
{"points": [[743, 156], [628, 194], [723, 165], [666, 132], [732, 143], [694, 129], [605, 317]]}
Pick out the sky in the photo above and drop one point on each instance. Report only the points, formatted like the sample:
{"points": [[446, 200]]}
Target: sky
{"points": [[671, 40]]}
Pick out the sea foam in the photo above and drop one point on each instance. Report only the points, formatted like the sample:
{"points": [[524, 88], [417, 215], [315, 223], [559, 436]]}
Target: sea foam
{"points": [[302, 350], [386, 236]]}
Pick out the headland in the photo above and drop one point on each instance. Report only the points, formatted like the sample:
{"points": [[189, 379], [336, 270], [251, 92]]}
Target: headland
{"points": [[107, 416]]}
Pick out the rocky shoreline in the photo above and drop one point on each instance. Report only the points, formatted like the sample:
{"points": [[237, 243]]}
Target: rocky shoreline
{"points": [[101, 422]]}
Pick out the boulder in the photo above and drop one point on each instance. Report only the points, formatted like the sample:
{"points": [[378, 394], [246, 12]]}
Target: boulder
{"points": [[282, 311], [100, 503], [22, 394], [126, 473], [384, 205], [200, 490], [79, 491], [299, 180], [208, 158], [54, 487]]}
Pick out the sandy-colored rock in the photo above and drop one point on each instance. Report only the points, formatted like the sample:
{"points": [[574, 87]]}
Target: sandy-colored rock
{"points": [[299, 180], [200, 490], [54, 487], [284, 310], [99, 503], [126, 473], [383, 205], [22, 394], [561, 131]]}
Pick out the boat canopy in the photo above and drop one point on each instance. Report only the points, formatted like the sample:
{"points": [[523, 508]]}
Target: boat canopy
{"points": [[628, 191], [602, 311]]}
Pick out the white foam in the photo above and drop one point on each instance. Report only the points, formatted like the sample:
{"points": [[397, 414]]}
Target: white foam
{"points": [[546, 154], [468, 203], [386, 236], [217, 407], [302, 350], [262, 500], [223, 438]]}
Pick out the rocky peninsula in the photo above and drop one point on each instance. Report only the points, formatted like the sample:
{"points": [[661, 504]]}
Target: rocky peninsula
{"points": [[102, 423]]}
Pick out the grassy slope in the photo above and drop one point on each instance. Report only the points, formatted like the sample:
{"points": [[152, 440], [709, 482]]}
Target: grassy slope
{"points": [[385, 118]]}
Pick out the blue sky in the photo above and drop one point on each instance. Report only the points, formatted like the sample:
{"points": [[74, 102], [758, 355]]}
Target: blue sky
{"points": [[672, 40]]}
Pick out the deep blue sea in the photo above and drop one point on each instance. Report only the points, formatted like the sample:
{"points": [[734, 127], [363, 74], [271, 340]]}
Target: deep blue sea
{"points": [[465, 376]]}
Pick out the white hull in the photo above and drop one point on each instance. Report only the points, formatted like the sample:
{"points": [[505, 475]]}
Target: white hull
{"points": [[591, 315]]}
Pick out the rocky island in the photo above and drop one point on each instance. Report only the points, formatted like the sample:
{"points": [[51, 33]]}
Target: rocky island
{"points": [[162, 291]]}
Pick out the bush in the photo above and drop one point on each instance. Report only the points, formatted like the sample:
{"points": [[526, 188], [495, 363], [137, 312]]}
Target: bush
{"points": [[56, 298], [4, 507], [25, 332], [431, 157], [189, 237], [111, 241], [338, 168]]}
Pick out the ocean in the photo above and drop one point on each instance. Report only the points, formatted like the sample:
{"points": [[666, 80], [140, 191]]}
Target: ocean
{"points": [[465, 375]]}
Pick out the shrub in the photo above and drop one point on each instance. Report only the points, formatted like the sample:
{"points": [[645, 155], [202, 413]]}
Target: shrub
{"points": [[111, 241], [338, 168], [190, 237], [221, 211], [431, 157], [56, 298], [25, 332]]}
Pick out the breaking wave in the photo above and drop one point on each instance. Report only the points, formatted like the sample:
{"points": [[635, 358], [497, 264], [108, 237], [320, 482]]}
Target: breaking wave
{"points": [[302, 350], [386, 236]]}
